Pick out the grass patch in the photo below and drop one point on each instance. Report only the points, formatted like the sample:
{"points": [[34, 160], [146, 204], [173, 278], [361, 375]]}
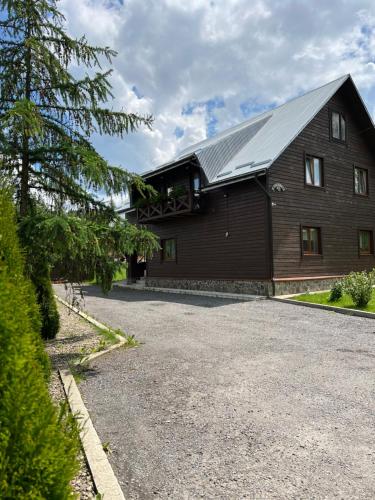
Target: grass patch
{"points": [[120, 275], [345, 302], [131, 341], [79, 371], [108, 338], [111, 335]]}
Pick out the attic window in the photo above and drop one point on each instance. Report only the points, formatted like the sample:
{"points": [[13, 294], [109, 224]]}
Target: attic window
{"points": [[338, 126]]}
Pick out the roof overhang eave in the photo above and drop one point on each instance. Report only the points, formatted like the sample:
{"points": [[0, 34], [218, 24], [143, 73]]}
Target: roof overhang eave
{"points": [[170, 166], [125, 210]]}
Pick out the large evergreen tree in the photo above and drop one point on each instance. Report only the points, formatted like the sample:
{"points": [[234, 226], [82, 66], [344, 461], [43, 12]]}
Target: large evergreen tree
{"points": [[47, 116]]}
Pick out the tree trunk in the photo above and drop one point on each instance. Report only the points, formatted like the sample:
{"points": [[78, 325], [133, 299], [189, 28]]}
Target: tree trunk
{"points": [[25, 155]]}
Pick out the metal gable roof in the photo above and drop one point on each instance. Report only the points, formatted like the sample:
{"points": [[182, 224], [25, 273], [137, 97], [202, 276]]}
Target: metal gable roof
{"points": [[215, 158], [255, 144]]}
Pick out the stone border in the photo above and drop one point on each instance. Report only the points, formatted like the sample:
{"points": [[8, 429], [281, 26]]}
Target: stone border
{"points": [[231, 286], [203, 293], [102, 473], [340, 310], [104, 478]]}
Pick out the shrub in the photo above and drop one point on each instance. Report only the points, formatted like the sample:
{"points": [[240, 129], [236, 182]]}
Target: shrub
{"points": [[47, 306], [359, 287], [336, 291], [38, 443]]}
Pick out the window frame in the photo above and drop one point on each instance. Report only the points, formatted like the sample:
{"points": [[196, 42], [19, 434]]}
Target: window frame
{"points": [[332, 138], [320, 241], [318, 157], [162, 249], [363, 195], [371, 252]]}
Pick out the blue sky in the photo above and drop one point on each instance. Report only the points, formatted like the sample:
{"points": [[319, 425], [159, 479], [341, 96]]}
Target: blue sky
{"points": [[200, 66]]}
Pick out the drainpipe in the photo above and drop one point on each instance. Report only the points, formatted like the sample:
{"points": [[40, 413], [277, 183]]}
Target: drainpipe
{"points": [[270, 231]]}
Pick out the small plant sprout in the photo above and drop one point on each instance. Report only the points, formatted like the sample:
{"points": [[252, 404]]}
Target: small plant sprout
{"points": [[106, 447], [131, 341]]}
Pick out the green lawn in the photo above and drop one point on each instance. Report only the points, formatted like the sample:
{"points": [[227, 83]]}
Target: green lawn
{"points": [[119, 276], [345, 301]]}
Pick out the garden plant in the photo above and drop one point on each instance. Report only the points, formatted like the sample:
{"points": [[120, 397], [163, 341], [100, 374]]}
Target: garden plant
{"points": [[38, 441]]}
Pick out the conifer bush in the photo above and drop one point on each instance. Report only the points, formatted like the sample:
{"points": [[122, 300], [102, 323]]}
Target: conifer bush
{"points": [[47, 305], [38, 442], [336, 291]]}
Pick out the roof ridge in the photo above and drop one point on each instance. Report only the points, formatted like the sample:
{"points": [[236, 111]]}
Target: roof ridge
{"points": [[252, 120], [343, 77]]}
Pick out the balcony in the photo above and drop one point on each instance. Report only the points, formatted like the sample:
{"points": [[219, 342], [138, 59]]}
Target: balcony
{"points": [[186, 203]]}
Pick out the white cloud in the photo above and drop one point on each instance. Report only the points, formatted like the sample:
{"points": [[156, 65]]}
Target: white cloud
{"points": [[176, 52]]}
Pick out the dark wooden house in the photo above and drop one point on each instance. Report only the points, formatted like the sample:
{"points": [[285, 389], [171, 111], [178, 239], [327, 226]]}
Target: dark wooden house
{"points": [[282, 203]]}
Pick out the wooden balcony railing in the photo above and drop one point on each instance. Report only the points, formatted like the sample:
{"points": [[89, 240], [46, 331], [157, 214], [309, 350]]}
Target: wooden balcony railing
{"points": [[183, 204]]}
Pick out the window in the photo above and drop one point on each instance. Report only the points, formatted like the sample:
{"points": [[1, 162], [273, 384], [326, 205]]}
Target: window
{"points": [[168, 250], [311, 241], [365, 242], [314, 171], [196, 181], [338, 126], [360, 181]]}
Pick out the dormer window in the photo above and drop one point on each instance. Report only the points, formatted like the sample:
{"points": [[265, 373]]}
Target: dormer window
{"points": [[338, 126]]}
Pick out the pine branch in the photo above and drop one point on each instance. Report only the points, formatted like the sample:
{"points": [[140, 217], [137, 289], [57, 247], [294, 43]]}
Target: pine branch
{"points": [[35, 54]]}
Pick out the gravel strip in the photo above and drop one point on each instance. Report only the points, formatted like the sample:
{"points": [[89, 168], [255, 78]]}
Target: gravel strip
{"points": [[76, 336]]}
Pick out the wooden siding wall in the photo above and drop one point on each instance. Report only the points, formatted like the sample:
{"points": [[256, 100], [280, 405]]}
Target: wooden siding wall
{"points": [[203, 251], [335, 209]]}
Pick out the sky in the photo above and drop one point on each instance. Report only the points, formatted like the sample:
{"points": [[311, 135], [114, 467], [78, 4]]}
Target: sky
{"points": [[201, 66]]}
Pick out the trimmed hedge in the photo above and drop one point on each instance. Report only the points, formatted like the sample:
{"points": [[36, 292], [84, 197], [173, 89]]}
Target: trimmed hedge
{"points": [[38, 442]]}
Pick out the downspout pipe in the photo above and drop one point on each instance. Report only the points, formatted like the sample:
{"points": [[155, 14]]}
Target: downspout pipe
{"points": [[270, 230]]}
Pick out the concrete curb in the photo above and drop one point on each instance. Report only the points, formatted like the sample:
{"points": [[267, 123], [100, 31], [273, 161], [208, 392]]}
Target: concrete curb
{"points": [[93, 321], [204, 293], [102, 473], [90, 319], [104, 478], [340, 310]]}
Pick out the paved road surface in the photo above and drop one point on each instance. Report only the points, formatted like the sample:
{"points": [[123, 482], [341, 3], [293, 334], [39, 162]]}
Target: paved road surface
{"points": [[229, 400]]}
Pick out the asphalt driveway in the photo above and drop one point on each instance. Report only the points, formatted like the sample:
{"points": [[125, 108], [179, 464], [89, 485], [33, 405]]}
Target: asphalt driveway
{"points": [[230, 400]]}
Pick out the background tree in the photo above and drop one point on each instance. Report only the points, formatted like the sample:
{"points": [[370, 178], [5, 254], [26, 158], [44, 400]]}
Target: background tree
{"points": [[47, 116]]}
